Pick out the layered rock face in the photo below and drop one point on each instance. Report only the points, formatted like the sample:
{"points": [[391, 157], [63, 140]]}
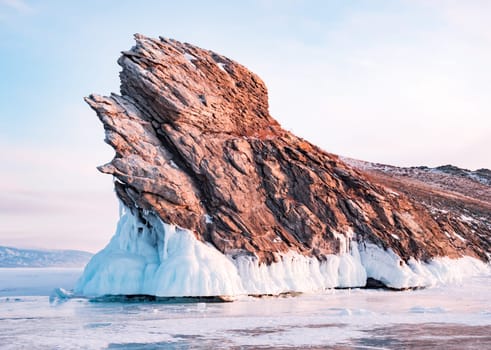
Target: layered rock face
{"points": [[196, 147]]}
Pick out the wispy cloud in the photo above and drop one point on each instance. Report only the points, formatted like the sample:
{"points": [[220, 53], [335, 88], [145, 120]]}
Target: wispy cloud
{"points": [[53, 197], [19, 6], [65, 219]]}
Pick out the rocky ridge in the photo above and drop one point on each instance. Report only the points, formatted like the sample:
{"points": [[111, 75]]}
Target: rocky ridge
{"points": [[460, 195], [196, 146]]}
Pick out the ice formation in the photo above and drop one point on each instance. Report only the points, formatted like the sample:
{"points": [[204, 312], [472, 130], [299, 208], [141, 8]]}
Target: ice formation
{"points": [[147, 256], [154, 258], [387, 267]]}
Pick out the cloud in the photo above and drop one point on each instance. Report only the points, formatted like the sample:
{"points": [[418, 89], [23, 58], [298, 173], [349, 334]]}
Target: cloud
{"points": [[54, 197], [64, 219], [394, 86], [469, 18], [20, 6]]}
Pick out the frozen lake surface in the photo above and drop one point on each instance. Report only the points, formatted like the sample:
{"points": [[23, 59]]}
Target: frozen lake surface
{"points": [[450, 317]]}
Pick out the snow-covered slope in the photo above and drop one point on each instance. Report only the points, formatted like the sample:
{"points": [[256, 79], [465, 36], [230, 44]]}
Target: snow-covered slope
{"points": [[15, 257]]}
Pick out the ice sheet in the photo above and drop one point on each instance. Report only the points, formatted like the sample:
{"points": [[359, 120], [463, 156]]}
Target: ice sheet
{"points": [[36, 281], [454, 316]]}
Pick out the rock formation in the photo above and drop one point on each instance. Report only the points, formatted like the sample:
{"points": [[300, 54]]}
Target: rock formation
{"points": [[460, 196], [195, 146]]}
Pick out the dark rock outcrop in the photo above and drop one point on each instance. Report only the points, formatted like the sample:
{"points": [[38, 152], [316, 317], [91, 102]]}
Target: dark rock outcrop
{"points": [[195, 144]]}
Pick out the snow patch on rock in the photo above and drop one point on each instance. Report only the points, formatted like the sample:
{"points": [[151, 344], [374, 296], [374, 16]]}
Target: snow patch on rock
{"points": [[190, 58], [222, 66]]}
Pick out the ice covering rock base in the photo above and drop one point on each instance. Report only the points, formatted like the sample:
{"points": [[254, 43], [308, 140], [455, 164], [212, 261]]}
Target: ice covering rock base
{"points": [[158, 259], [147, 256]]}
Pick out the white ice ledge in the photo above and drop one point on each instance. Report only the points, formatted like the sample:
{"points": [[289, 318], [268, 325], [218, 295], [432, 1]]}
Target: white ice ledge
{"points": [[164, 260]]}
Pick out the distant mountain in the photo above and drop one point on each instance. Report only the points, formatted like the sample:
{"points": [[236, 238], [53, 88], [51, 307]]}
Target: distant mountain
{"points": [[482, 176], [15, 257]]}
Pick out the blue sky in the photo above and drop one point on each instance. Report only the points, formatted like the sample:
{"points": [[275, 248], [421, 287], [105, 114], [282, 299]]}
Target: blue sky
{"points": [[404, 82]]}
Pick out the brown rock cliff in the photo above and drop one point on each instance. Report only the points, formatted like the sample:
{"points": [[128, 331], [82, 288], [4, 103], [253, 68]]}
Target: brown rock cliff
{"points": [[195, 144]]}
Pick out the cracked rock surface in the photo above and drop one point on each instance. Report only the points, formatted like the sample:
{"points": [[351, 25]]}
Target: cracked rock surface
{"points": [[195, 144]]}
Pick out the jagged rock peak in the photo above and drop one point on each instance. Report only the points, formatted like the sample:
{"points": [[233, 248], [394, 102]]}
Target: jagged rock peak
{"points": [[196, 146], [194, 86]]}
